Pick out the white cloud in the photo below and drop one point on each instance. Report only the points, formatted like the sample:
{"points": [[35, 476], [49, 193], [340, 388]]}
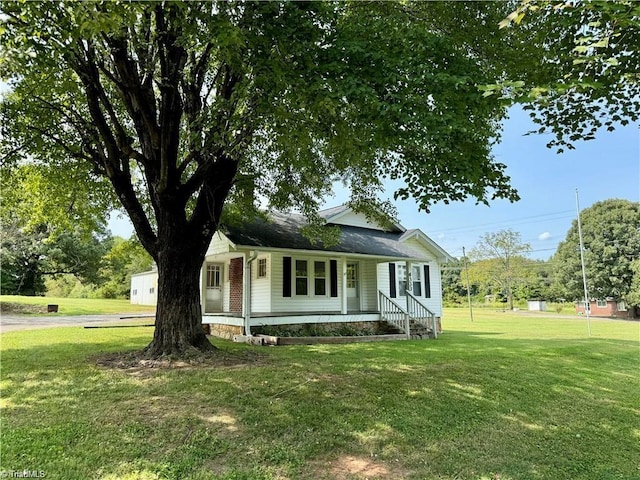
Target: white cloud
{"points": [[544, 236]]}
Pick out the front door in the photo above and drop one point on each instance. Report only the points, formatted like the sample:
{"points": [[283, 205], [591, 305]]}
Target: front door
{"points": [[353, 287], [214, 288]]}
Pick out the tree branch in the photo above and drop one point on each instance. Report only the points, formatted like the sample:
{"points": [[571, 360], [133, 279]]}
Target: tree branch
{"points": [[173, 58], [139, 98]]}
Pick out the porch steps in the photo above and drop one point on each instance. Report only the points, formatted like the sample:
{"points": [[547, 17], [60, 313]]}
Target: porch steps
{"points": [[417, 330], [417, 319]]}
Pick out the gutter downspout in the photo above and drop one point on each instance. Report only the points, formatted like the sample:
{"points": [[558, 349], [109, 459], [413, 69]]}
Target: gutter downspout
{"points": [[246, 290]]}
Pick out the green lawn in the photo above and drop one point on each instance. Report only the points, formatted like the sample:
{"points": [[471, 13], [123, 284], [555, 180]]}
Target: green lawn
{"points": [[507, 396], [69, 306]]}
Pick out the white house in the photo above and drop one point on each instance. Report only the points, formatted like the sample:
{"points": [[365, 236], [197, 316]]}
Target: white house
{"points": [[266, 272]]}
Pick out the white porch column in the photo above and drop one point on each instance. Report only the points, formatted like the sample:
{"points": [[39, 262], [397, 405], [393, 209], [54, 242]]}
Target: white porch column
{"points": [[246, 297], [344, 285], [203, 287], [408, 288], [246, 290]]}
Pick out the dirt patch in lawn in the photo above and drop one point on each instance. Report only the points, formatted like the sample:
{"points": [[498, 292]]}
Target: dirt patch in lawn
{"points": [[349, 467], [136, 363]]}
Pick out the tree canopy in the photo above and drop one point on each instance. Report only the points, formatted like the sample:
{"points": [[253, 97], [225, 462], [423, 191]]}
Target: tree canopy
{"points": [[500, 263], [591, 66], [611, 238], [29, 254], [48, 231], [359, 92], [181, 107]]}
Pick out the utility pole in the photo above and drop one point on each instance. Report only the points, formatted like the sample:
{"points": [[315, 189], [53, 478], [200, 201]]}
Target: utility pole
{"points": [[464, 256], [587, 308]]}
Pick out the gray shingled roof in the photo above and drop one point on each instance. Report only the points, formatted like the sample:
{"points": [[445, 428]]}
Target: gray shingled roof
{"points": [[283, 231]]}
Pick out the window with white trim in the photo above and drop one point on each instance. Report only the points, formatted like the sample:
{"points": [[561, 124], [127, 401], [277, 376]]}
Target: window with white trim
{"points": [[601, 303], [416, 279], [319, 278], [302, 277], [262, 268], [352, 275], [402, 279], [213, 276]]}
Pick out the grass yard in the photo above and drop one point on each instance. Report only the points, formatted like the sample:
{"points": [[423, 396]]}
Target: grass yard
{"points": [[505, 397], [69, 306]]}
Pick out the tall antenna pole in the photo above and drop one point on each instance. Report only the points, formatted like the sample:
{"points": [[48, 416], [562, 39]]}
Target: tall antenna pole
{"points": [[587, 308], [464, 256]]}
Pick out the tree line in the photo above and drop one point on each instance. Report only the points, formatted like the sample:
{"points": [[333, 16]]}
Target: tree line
{"points": [[498, 268], [69, 264]]}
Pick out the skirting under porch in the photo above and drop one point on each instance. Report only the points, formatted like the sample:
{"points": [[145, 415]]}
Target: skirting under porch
{"points": [[228, 325], [286, 318], [231, 325]]}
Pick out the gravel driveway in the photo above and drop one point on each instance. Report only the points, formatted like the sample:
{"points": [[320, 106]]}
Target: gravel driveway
{"points": [[10, 323]]}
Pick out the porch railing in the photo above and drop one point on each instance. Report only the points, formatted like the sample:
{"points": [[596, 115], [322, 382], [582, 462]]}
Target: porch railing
{"points": [[421, 314], [393, 313]]}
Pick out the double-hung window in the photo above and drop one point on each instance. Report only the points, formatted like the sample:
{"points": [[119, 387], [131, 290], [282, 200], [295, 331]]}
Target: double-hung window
{"points": [[302, 277], [402, 280], [319, 278], [416, 279], [262, 268], [310, 277]]}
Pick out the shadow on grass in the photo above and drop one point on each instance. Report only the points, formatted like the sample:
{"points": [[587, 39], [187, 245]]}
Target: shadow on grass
{"points": [[469, 405]]}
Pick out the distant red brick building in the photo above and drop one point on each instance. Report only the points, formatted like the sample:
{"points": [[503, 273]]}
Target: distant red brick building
{"points": [[608, 308]]}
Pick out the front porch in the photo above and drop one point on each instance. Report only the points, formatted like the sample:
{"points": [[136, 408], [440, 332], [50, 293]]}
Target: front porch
{"points": [[416, 321], [247, 289]]}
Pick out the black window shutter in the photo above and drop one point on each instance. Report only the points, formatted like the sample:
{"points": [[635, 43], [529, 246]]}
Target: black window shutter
{"points": [[333, 277], [392, 280], [286, 276], [427, 282]]}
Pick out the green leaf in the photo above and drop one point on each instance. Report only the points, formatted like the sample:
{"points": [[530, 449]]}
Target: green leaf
{"points": [[601, 44]]}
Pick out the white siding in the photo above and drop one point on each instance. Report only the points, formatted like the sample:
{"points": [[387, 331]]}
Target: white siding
{"points": [[261, 287], [219, 244], [368, 286], [307, 303], [419, 247], [434, 303], [356, 220], [145, 286], [226, 287], [383, 278]]}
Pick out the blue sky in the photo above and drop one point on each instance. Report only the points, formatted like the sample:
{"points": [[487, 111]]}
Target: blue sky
{"points": [[608, 167]]}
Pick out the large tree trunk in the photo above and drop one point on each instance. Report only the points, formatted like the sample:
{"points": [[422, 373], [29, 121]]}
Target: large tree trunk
{"points": [[178, 326]]}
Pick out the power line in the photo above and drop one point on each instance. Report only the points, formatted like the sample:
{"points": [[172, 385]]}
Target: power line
{"points": [[516, 221]]}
